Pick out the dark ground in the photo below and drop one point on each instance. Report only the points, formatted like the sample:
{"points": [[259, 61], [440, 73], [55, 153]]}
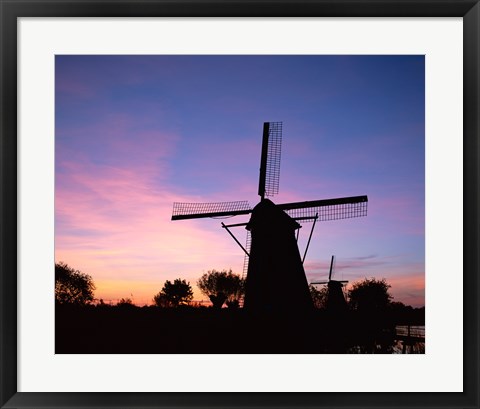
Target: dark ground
{"points": [[151, 330]]}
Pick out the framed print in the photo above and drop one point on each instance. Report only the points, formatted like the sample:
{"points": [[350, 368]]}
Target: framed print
{"points": [[352, 283]]}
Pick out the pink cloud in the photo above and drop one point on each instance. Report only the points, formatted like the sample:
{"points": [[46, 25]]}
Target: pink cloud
{"points": [[114, 223]]}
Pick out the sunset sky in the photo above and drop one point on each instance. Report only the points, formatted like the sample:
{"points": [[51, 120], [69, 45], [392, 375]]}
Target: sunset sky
{"points": [[136, 133]]}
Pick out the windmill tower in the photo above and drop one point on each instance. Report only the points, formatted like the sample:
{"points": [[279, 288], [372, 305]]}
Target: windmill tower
{"points": [[335, 299], [275, 279]]}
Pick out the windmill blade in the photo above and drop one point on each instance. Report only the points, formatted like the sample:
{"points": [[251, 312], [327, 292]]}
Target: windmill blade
{"points": [[246, 259], [270, 159], [182, 211], [329, 209], [320, 282], [331, 268]]}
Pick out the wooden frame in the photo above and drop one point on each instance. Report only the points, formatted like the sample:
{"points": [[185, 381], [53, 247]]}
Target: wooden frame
{"points": [[11, 10]]}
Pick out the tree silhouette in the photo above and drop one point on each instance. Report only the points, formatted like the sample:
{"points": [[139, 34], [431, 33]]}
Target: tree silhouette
{"points": [[370, 295], [160, 300], [221, 286], [72, 286], [174, 294], [125, 302], [319, 297]]}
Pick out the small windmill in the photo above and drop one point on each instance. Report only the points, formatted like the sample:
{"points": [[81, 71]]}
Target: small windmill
{"points": [[275, 279], [335, 298]]}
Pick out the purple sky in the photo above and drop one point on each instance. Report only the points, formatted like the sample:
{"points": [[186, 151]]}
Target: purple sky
{"points": [[136, 133]]}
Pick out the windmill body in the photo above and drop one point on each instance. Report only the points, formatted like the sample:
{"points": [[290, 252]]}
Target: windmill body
{"points": [[276, 278], [336, 302]]}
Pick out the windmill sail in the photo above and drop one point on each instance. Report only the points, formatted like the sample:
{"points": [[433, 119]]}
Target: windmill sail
{"points": [[270, 159], [182, 211], [332, 266], [329, 209], [248, 243]]}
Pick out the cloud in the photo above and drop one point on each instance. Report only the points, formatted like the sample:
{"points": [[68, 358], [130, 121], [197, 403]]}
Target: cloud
{"points": [[348, 265], [113, 222]]}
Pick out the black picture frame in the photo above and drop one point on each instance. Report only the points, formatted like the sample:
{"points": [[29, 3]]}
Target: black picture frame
{"points": [[10, 10]]}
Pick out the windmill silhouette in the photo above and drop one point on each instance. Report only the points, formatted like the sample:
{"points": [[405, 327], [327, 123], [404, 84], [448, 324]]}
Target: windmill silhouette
{"points": [[335, 298], [276, 278]]}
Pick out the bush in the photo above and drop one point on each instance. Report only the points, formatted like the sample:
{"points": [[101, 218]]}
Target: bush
{"points": [[174, 294]]}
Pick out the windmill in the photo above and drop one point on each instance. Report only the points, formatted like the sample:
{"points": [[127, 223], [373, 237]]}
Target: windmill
{"points": [[335, 298], [276, 278]]}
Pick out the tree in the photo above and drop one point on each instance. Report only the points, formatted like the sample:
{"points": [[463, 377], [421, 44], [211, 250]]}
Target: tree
{"points": [[174, 294], [72, 286], [221, 286], [125, 302], [319, 297], [160, 300], [370, 295], [371, 301]]}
